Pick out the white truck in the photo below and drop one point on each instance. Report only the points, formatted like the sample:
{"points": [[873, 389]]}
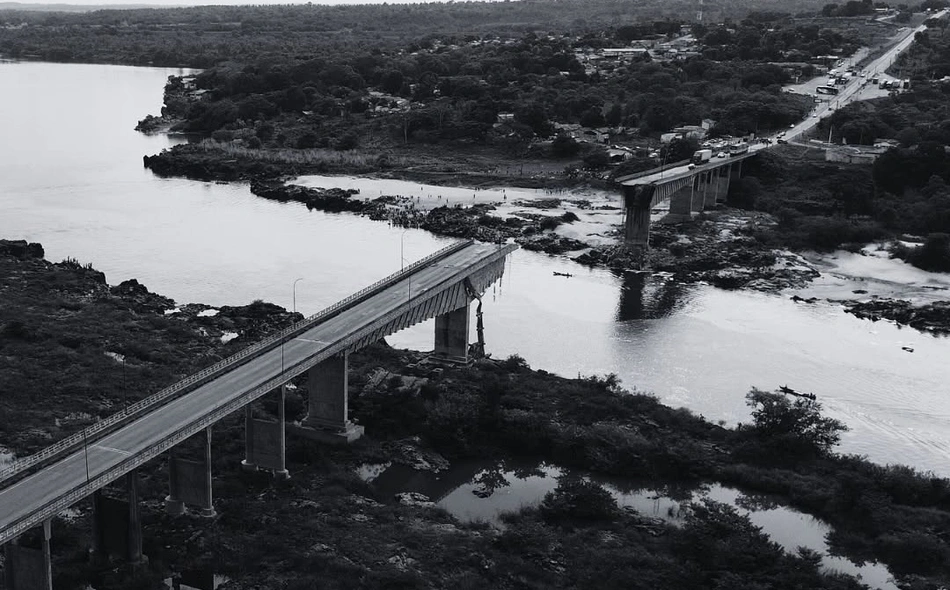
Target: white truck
{"points": [[701, 156]]}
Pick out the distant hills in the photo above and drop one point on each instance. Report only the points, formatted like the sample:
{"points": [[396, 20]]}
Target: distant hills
{"points": [[69, 7]]}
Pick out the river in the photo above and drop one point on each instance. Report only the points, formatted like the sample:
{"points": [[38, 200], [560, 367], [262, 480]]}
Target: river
{"points": [[71, 177]]}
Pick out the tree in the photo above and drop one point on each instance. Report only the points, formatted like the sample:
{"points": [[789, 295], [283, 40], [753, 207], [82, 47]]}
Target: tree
{"points": [[392, 82], [793, 424], [564, 146], [934, 255]]}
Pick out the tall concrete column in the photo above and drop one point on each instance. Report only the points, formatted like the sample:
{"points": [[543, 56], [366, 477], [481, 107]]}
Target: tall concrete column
{"points": [[117, 525], [97, 553], [207, 509], [711, 195], [26, 568], [637, 202], [328, 417], [189, 482], [134, 532], [265, 440], [681, 205], [174, 506], [699, 193], [451, 335], [248, 463]]}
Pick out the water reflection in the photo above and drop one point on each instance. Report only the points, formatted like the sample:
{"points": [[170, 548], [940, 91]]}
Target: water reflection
{"points": [[481, 491], [649, 296]]}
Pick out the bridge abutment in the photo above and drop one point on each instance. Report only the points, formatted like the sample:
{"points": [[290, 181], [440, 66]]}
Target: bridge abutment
{"points": [[190, 482], [451, 335], [328, 416], [265, 440], [27, 568]]}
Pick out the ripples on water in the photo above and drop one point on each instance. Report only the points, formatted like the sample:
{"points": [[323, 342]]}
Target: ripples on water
{"points": [[71, 177]]}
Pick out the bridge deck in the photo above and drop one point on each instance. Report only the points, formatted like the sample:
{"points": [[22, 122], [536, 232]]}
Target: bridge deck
{"points": [[29, 501], [672, 174]]}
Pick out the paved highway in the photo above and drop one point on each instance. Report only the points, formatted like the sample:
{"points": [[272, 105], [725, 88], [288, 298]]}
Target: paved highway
{"points": [[857, 86], [31, 494], [857, 89]]}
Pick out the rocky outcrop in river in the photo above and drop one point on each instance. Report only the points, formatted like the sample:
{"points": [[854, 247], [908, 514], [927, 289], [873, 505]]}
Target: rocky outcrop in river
{"points": [[932, 317]]}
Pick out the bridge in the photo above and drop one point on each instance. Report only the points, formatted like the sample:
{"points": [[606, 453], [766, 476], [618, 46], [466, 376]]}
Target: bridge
{"points": [[38, 487], [689, 189]]}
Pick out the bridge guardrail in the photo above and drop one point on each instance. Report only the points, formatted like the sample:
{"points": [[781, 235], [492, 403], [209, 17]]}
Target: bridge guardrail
{"points": [[637, 175], [161, 397]]}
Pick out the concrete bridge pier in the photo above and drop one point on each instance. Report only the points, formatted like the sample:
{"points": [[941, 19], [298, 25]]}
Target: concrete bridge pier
{"points": [[117, 525], [637, 201], [26, 568], [700, 187], [681, 204], [328, 417], [722, 191], [451, 335], [265, 440], [189, 482]]}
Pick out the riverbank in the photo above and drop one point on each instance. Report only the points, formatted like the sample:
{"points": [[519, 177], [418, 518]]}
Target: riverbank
{"points": [[327, 526]]}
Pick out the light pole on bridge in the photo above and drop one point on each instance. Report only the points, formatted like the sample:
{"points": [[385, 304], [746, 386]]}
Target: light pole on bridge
{"points": [[295, 293], [294, 289]]}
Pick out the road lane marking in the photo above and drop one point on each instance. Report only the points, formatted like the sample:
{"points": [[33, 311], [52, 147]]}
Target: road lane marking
{"points": [[120, 451]]}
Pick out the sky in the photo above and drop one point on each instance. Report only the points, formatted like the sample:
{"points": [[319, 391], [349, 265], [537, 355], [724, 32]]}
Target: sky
{"points": [[204, 2]]}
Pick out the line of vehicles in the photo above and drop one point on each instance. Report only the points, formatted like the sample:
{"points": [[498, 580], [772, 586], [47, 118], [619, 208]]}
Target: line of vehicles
{"points": [[704, 156]]}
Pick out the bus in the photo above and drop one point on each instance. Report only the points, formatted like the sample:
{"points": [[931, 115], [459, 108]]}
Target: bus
{"points": [[738, 148], [826, 90]]}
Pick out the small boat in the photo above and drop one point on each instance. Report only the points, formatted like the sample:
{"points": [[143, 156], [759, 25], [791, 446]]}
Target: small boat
{"points": [[562, 274], [789, 391]]}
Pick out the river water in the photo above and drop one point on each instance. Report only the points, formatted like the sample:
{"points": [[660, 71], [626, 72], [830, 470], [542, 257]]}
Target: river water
{"points": [[71, 177]]}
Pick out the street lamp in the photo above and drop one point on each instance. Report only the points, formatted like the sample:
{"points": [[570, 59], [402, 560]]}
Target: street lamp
{"points": [[402, 257], [295, 293], [402, 247]]}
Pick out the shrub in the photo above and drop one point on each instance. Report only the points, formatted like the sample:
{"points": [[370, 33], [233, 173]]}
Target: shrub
{"points": [[577, 499], [796, 425]]}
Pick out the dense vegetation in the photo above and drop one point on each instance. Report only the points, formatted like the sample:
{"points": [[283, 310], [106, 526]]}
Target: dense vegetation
{"points": [[205, 35]]}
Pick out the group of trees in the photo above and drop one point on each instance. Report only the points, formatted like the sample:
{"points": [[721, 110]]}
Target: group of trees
{"points": [[456, 91]]}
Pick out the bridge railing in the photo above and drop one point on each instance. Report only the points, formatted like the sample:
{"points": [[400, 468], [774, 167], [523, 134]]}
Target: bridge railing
{"points": [[651, 171], [134, 410]]}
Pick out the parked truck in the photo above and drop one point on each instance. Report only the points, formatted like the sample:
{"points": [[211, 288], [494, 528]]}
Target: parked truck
{"points": [[701, 156]]}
